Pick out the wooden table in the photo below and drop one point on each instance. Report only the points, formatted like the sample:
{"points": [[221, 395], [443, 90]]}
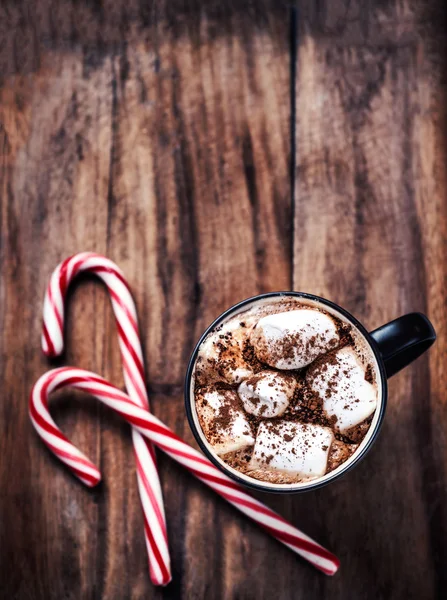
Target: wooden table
{"points": [[215, 150]]}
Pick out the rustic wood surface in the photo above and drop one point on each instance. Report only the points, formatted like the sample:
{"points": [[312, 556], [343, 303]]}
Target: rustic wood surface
{"points": [[216, 150]]}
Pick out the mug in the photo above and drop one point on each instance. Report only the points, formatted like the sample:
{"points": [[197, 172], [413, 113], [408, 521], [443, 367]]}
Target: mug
{"points": [[394, 345]]}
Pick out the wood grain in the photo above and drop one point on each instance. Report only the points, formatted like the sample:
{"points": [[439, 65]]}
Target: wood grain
{"points": [[158, 135], [370, 233]]}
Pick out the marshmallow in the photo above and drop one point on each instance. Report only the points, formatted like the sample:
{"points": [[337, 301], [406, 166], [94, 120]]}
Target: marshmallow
{"points": [[268, 394], [223, 421], [293, 448], [293, 339], [340, 382], [221, 354]]}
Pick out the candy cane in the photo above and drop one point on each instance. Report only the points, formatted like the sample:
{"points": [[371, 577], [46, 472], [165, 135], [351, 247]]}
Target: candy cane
{"points": [[160, 435], [133, 368]]}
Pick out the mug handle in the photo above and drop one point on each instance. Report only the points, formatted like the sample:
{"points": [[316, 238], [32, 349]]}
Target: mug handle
{"points": [[403, 340]]}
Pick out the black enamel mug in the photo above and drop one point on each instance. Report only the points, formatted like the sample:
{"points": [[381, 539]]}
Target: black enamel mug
{"points": [[394, 345]]}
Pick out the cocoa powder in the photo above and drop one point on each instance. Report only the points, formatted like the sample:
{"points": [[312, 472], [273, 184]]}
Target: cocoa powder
{"points": [[305, 407]]}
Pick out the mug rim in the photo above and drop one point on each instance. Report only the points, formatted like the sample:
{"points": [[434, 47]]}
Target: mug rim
{"points": [[356, 458]]}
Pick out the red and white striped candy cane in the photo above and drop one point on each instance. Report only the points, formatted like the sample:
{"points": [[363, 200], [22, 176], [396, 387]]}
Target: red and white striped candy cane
{"points": [[133, 367], [160, 435]]}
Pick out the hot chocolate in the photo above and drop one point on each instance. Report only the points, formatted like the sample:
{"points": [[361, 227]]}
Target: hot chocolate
{"points": [[285, 391]]}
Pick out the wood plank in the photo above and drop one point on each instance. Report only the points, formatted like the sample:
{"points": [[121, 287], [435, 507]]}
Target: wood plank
{"points": [[158, 135], [370, 234]]}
